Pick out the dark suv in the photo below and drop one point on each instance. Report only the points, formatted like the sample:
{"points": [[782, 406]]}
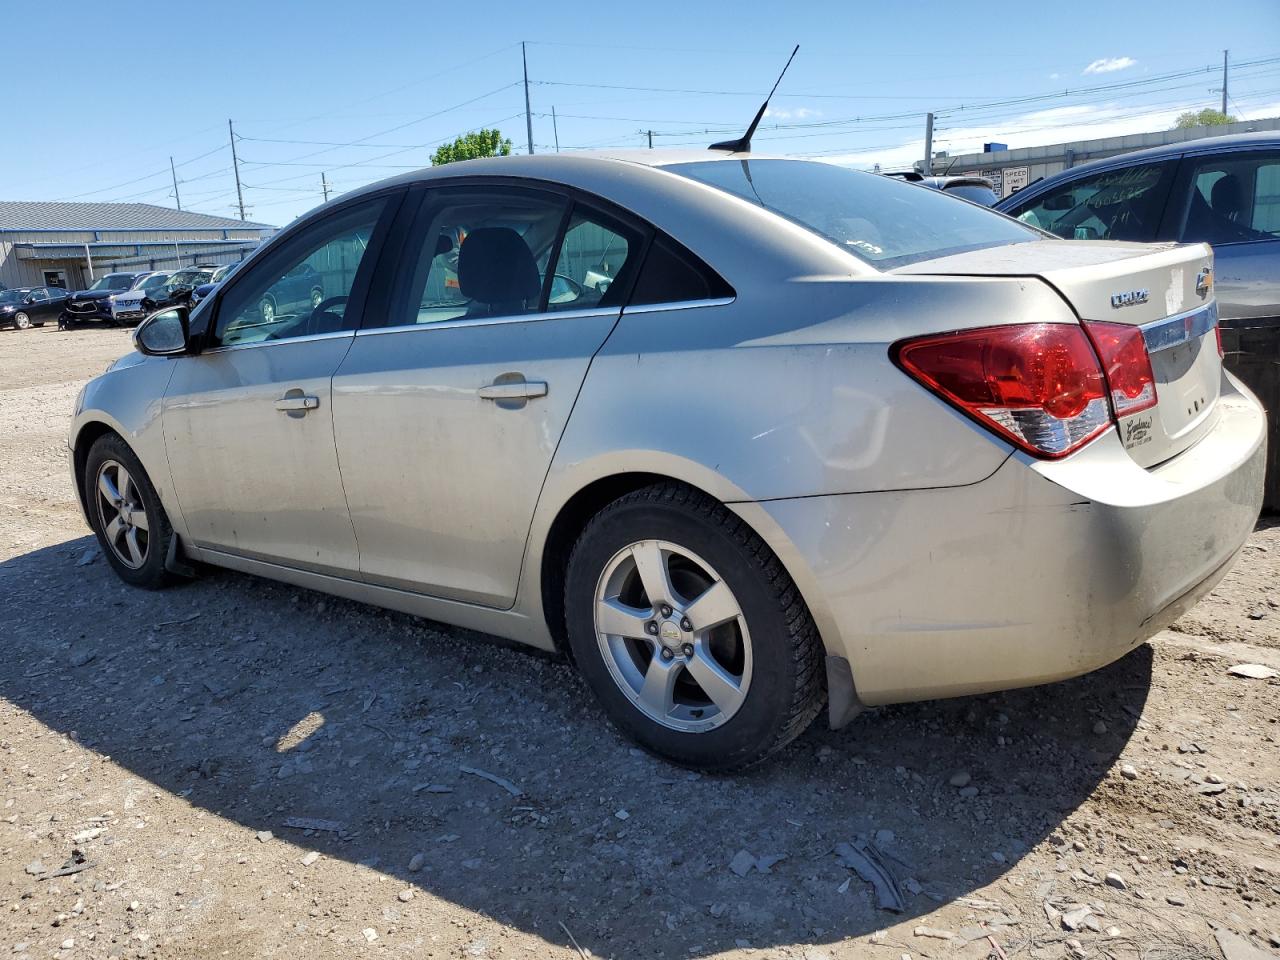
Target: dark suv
{"points": [[1224, 191]]}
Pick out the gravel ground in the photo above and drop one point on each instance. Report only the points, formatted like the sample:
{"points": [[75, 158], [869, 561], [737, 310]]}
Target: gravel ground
{"points": [[240, 768]]}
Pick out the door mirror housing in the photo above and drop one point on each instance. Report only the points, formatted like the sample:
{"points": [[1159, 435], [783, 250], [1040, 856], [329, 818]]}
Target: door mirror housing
{"points": [[163, 334]]}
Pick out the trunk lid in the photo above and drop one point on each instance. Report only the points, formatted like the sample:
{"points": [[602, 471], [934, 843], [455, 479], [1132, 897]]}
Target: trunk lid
{"points": [[1164, 289]]}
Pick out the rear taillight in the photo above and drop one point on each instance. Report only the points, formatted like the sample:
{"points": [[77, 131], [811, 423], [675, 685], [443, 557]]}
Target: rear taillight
{"points": [[1126, 364], [1217, 332], [1038, 384]]}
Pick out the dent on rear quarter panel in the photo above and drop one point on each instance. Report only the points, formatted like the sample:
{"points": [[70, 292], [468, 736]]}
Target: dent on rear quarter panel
{"points": [[791, 393]]}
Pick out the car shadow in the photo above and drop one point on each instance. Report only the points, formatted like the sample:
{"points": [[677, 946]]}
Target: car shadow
{"points": [[260, 702]]}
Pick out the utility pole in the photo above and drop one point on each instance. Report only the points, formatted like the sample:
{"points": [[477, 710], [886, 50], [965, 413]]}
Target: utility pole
{"points": [[174, 170], [324, 185], [650, 133], [554, 127], [1224, 81], [927, 170], [528, 117], [235, 165]]}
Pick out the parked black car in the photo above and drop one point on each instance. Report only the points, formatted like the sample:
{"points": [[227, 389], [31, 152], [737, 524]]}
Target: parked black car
{"points": [[179, 288], [977, 189], [94, 305], [202, 291], [1221, 190], [25, 307]]}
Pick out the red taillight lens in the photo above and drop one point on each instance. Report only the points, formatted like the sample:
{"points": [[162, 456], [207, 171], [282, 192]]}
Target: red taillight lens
{"points": [[1127, 366], [1217, 332], [1037, 384]]}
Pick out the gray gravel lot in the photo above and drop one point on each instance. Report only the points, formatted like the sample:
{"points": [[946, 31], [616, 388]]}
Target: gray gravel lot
{"points": [[240, 768]]}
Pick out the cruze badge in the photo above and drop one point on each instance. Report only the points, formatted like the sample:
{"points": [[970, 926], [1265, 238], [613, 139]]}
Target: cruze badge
{"points": [[1204, 282], [1130, 298]]}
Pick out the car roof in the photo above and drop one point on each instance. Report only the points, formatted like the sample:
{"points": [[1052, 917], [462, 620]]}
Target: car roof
{"points": [[1267, 140]]}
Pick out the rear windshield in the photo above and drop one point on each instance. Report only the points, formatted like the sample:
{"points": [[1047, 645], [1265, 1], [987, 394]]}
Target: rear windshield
{"points": [[878, 219]]}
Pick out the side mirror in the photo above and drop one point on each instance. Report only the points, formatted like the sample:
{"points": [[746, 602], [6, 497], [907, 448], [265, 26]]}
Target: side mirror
{"points": [[30, 299], [163, 334]]}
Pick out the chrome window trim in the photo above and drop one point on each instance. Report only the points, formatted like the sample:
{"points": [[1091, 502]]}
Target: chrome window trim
{"points": [[1180, 328], [491, 321], [275, 343], [680, 305]]}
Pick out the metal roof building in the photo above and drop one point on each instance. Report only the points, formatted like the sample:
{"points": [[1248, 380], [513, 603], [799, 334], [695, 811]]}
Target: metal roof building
{"points": [[1011, 170], [69, 244]]}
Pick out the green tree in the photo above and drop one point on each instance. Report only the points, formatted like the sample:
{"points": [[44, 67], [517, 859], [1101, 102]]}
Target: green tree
{"points": [[1207, 117], [480, 143]]}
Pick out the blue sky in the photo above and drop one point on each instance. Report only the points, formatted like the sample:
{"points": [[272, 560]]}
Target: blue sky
{"points": [[360, 91]]}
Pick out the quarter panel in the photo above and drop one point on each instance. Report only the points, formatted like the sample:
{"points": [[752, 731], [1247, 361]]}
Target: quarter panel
{"points": [[793, 394]]}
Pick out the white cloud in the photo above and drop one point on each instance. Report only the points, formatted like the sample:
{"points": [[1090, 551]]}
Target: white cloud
{"points": [[799, 113], [1110, 65], [1055, 76]]}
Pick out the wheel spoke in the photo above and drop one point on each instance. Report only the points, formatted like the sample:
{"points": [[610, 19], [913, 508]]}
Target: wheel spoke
{"points": [[135, 551], [125, 483], [713, 607], [108, 489], [651, 563], [112, 529], [717, 683], [138, 518], [617, 619], [658, 692]]}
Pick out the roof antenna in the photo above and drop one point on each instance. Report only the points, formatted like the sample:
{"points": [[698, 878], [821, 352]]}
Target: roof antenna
{"points": [[743, 143]]}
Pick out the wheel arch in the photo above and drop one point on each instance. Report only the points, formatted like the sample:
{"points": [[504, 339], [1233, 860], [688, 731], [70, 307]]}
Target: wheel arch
{"points": [[576, 508], [88, 434]]}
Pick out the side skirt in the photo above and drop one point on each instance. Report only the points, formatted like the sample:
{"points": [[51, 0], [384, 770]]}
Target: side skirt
{"points": [[507, 624]]}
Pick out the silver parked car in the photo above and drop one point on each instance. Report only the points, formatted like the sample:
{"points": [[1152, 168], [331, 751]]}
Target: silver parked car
{"points": [[738, 434]]}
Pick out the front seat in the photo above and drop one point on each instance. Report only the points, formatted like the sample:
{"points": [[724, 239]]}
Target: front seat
{"points": [[1227, 199], [497, 273]]}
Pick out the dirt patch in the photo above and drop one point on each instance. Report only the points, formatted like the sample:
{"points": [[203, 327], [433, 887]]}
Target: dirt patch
{"points": [[240, 768]]}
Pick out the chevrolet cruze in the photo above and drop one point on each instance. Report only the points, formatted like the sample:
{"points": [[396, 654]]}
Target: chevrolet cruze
{"points": [[741, 436]]}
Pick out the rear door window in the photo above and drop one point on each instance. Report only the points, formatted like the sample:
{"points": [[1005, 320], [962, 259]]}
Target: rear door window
{"points": [[1234, 198], [477, 253], [595, 262], [1123, 204]]}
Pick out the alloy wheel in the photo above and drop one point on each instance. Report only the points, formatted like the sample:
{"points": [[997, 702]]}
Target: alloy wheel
{"points": [[122, 515], [21, 321], [673, 636]]}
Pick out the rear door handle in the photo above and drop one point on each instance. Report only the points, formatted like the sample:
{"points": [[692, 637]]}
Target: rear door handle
{"points": [[517, 390], [288, 404]]}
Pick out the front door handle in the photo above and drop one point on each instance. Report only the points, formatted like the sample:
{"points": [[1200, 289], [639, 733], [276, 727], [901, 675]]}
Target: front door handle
{"points": [[514, 390], [303, 403]]}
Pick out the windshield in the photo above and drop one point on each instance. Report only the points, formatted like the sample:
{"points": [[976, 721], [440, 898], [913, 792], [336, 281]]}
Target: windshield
{"points": [[12, 296], [878, 219], [113, 281]]}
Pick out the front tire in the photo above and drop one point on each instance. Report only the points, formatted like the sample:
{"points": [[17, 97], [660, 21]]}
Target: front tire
{"points": [[690, 631], [126, 514], [22, 321]]}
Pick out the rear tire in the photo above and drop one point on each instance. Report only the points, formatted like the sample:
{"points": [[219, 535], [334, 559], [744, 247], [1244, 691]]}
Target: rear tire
{"points": [[125, 513], [723, 671]]}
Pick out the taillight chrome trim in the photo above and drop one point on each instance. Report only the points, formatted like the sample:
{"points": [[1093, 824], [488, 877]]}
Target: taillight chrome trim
{"points": [[1180, 328]]}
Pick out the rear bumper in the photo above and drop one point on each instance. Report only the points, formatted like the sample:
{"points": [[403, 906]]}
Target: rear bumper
{"points": [[1042, 571]]}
